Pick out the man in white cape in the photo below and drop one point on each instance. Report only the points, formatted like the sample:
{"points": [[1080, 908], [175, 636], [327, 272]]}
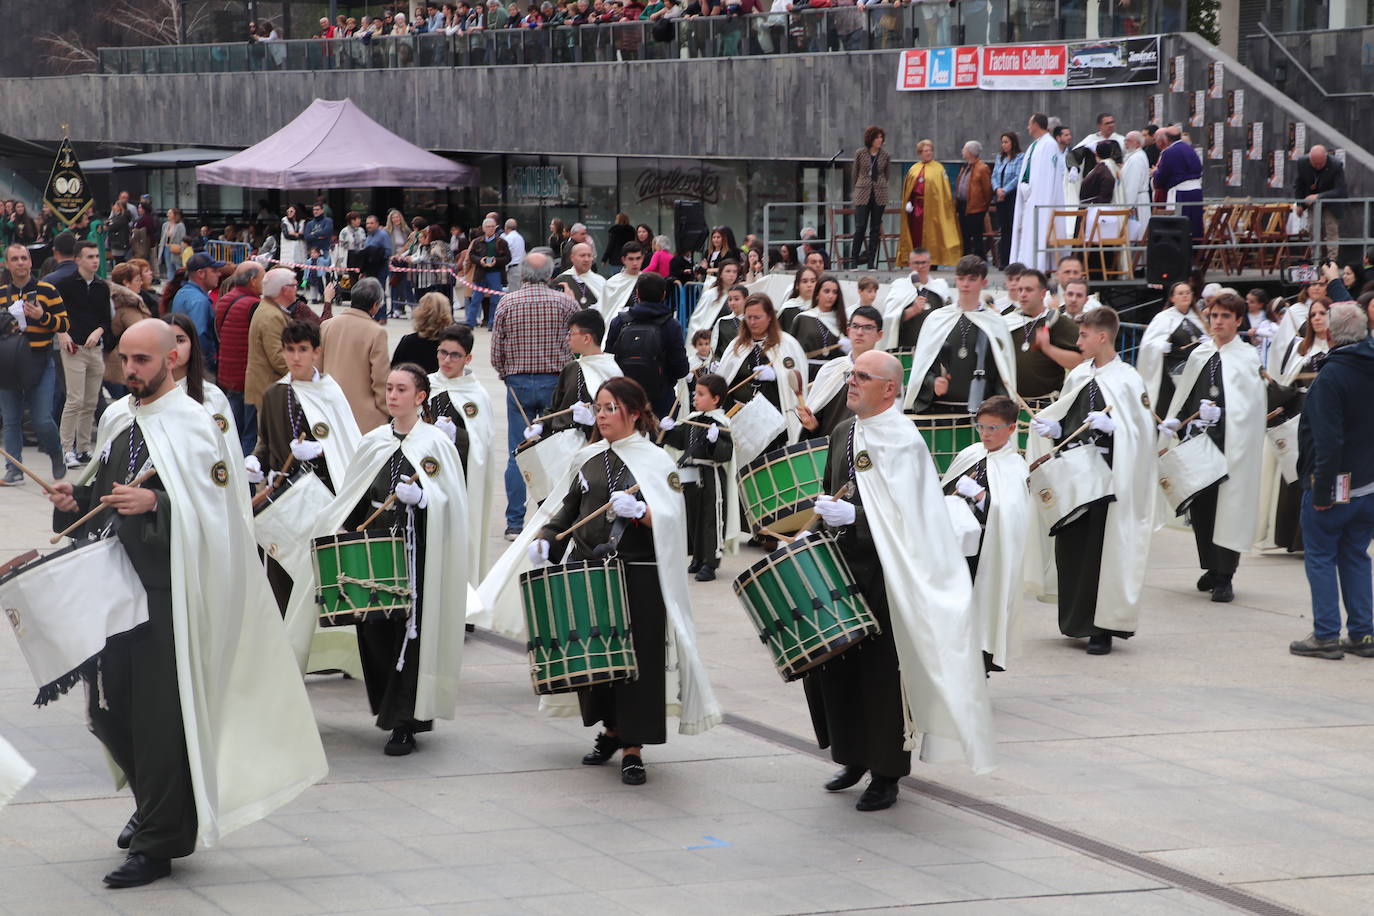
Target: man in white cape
{"points": [[1101, 557], [1221, 386], [618, 294], [1134, 182], [570, 405], [581, 275], [688, 689], [957, 343], [202, 709], [909, 299], [924, 671], [826, 403], [991, 476], [1041, 186]]}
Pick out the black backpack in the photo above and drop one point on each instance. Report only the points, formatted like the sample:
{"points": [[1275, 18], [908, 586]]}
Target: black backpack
{"points": [[639, 352]]}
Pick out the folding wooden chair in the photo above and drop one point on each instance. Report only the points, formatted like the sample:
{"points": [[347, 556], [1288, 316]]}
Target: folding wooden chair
{"points": [[1271, 231], [1077, 226], [1213, 252], [1111, 246]]}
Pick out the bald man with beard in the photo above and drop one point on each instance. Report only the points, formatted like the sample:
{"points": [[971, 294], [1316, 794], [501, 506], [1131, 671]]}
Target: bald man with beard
{"points": [[583, 283]]}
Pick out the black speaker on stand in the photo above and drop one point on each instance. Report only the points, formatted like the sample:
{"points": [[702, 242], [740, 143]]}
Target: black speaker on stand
{"points": [[689, 225], [1168, 249]]}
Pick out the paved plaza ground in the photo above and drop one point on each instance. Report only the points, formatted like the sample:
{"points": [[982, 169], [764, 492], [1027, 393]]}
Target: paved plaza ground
{"points": [[1197, 769]]}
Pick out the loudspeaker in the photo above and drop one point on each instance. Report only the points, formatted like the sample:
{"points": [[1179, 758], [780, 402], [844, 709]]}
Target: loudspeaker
{"points": [[1168, 249], [689, 225]]}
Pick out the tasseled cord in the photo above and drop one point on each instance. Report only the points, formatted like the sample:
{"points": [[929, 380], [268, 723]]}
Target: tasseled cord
{"points": [[908, 726], [412, 632]]}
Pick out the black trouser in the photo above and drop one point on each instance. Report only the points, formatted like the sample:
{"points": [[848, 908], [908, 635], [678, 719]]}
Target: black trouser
{"points": [[868, 221], [140, 725], [1202, 514], [1078, 562], [391, 693], [971, 231], [1006, 218]]}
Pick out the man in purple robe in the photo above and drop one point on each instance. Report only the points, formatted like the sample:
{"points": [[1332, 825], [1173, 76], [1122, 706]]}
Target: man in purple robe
{"points": [[1178, 176]]}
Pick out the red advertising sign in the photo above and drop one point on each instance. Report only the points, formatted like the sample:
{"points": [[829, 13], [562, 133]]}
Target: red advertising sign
{"points": [[1025, 67], [938, 68], [912, 69]]}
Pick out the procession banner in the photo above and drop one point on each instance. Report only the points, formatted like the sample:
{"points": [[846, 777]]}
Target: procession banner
{"points": [[1121, 62], [938, 68], [1024, 67], [67, 194]]}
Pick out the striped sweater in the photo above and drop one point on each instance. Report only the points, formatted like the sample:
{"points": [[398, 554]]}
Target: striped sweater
{"points": [[40, 331]]}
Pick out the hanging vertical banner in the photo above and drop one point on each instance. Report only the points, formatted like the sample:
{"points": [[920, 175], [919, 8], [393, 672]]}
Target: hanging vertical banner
{"points": [[938, 68], [1233, 169], [1297, 140], [1178, 73], [1254, 141], [1235, 108], [1154, 108], [1197, 108], [1276, 169], [1217, 141], [67, 194], [1024, 67], [1215, 74]]}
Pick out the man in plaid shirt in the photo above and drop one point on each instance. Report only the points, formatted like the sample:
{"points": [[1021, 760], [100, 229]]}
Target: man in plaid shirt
{"points": [[529, 347]]}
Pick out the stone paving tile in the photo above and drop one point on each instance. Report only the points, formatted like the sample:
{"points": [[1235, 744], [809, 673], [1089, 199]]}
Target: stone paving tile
{"points": [[1345, 895]]}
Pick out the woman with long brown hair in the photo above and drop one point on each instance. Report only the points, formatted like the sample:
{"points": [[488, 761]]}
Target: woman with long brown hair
{"points": [[821, 329], [799, 299], [765, 361]]}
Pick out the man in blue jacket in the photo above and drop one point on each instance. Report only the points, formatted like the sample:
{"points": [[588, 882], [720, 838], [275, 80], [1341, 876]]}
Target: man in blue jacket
{"points": [[1336, 467], [647, 343]]}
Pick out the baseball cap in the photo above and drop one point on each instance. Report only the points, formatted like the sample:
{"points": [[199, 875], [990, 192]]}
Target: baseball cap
{"points": [[199, 260]]}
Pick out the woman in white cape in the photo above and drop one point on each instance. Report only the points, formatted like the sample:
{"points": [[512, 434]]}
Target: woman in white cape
{"points": [[1165, 345], [766, 361], [711, 305], [799, 298], [821, 329], [411, 662]]}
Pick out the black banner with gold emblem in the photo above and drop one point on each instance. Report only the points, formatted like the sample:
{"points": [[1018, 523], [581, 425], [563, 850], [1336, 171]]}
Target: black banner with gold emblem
{"points": [[67, 194]]}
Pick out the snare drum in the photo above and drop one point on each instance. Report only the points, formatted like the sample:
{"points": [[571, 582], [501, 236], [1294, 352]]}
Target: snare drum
{"points": [[360, 576], [578, 621], [946, 435], [805, 604], [283, 521], [1069, 483], [1189, 468], [543, 461], [63, 607], [780, 488]]}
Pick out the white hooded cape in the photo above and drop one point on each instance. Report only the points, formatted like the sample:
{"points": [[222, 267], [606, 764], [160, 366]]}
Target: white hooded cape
{"points": [[829, 382], [899, 295], [1134, 184], [785, 358], [616, 296], [936, 329], [485, 461], [1150, 360], [596, 369], [727, 497], [1245, 407], [251, 738], [15, 772], [707, 310], [692, 700], [1045, 188], [331, 421], [928, 591], [997, 588], [444, 590], [1289, 325], [1271, 474], [1131, 517]]}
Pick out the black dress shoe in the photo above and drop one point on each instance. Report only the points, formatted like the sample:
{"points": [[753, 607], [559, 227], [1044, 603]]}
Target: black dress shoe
{"points": [[706, 574], [1099, 645], [881, 793], [693, 567], [845, 778], [1222, 592], [139, 869], [126, 836], [605, 749], [1206, 582], [632, 770], [402, 743]]}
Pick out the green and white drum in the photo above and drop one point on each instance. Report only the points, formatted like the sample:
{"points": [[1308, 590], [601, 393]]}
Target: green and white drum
{"points": [[779, 488], [906, 356], [946, 435], [578, 620], [804, 602], [360, 576]]}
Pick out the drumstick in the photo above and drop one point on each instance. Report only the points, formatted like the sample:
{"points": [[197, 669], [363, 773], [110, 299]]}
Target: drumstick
{"points": [[745, 382], [593, 514], [1066, 440], [390, 500], [136, 482], [281, 475], [671, 410], [825, 349], [556, 413], [520, 407], [1273, 413], [841, 493], [47, 487], [1180, 426]]}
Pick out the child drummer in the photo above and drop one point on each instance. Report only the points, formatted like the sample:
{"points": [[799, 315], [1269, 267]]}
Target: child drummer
{"points": [[707, 475], [406, 480], [571, 404]]}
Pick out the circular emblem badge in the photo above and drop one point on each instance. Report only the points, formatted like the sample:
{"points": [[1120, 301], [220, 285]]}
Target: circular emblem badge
{"points": [[788, 362], [1281, 445], [675, 482], [1145, 399], [1165, 484], [469, 409], [529, 478], [862, 461], [1047, 496], [221, 422], [320, 430], [430, 466], [219, 473]]}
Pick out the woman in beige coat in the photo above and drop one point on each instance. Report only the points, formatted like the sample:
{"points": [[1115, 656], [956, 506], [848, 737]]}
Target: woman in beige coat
{"points": [[126, 281]]}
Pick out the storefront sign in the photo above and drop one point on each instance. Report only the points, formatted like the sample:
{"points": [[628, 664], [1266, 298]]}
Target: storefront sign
{"points": [[1023, 67], [699, 183], [1123, 62], [540, 184], [938, 68]]}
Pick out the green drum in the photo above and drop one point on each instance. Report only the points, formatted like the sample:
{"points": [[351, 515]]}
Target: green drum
{"points": [[779, 488], [946, 435], [360, 576], [805, 604], [578, 622], [905, 355]]}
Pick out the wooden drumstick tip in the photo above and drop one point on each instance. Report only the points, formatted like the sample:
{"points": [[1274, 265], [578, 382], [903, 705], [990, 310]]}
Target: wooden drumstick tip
{"points": [[100, 507], [389, 502], [562, 535], [47, 487]]}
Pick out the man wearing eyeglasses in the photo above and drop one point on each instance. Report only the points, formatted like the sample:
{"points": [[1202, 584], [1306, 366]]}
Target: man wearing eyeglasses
{"points": [[826, 406], [928, 644], [910, 299]]}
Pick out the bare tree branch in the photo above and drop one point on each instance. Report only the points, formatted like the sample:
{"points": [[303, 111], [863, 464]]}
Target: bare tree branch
{"points": [[66, 53]]}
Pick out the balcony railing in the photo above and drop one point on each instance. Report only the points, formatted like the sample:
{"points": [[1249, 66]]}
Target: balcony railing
{"points": [[845, 28]]}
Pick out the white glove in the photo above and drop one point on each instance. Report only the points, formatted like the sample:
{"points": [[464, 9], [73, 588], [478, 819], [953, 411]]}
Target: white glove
{"points": [[306, 449], [713, 433], [1050, 429], [411, 494], [254, 469], [967, 487], [626, 506], [767, 374], [845, 345], [1168, 347], [1101, 422], [667, 423], [715, 367], [910, 207], [273, 477], [835, 512], [535, 431], [1266, 331], [1208, 412], [538, 552], [1170, 427], [582, 415], [446, 426]]}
